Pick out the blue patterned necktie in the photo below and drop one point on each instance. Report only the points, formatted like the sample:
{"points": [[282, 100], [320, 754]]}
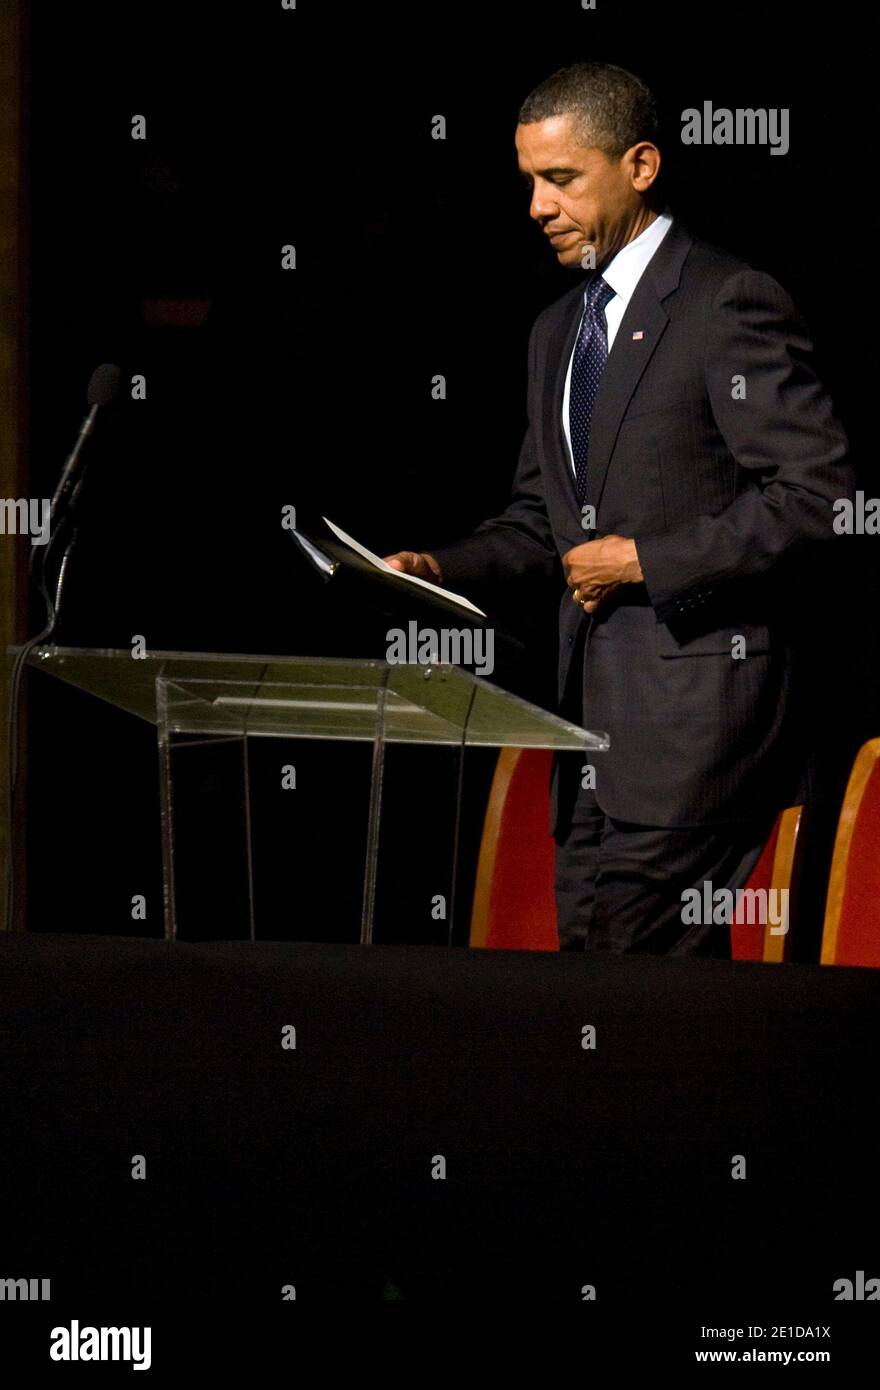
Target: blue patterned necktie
{"points": [[590, 356]]}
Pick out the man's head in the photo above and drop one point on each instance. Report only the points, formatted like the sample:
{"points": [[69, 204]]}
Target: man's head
{"points": [[586, 147]]}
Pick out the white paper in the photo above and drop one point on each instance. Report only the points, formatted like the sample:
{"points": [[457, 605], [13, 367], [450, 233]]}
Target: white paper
{"points": [[380, 564]]}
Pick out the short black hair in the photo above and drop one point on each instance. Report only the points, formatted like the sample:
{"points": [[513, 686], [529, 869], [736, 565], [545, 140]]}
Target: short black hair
{"points": [[613, 109]]}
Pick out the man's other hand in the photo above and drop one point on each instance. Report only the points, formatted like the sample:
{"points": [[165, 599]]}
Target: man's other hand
{"points": [[595, 569], [416, 562]]}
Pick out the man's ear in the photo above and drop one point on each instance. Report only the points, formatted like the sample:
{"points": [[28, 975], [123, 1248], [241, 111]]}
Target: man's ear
{"points": [[644, 160]]}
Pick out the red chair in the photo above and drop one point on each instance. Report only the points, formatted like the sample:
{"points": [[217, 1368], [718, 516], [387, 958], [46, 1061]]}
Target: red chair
{"points": [[851, 934], [777, 869], [514, 907]]}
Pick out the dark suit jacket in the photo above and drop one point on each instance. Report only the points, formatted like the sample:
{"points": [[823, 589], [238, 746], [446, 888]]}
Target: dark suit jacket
{"points": [[729, 501]]}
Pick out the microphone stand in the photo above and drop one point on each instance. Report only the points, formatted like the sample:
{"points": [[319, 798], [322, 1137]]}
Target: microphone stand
{"points": [[38, 573]]}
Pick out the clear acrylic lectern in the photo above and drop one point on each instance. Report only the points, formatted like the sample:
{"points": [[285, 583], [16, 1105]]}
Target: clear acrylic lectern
{"points": [[199, 697]]}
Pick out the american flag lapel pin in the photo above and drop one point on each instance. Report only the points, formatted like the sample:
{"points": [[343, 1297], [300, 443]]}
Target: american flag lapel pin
{"points": [[638, 335]]}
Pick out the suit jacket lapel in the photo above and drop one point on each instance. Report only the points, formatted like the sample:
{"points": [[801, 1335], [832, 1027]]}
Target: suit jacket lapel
{"points": [[559, 349], [626, 362]]}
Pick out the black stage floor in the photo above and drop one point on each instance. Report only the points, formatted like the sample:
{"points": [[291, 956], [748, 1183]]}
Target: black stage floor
{"points": [[438, 1134]]}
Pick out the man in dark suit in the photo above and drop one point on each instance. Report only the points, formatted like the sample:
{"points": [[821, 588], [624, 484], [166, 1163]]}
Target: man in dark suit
{"points": [[675, 417]]}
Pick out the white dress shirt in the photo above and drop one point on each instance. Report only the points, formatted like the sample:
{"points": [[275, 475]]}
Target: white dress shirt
{"points": [[622, 273]]}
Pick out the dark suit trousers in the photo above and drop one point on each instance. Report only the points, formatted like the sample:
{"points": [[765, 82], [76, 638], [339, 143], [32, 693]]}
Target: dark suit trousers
{"points": [[619, 886]]}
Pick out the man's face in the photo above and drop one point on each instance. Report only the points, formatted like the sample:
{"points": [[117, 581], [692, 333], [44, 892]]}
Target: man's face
{"points": [[580, 197]]}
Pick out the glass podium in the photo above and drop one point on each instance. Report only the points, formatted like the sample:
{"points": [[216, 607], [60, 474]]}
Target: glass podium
{"points": [[197, 699]]}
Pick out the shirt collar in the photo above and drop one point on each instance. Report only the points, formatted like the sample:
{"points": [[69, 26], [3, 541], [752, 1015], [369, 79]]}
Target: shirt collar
{"points": [[625, 270]]}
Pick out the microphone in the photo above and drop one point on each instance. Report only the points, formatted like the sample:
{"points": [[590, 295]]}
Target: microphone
{"points": [[103, 385]]}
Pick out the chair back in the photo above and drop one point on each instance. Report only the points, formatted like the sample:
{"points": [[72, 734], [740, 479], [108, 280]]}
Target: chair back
{"points": [[851, 934], [514, 907], [757, 934]]}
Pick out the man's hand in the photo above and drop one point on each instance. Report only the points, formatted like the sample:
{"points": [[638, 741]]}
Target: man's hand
{"points": [[416, 562], [596, 568]]}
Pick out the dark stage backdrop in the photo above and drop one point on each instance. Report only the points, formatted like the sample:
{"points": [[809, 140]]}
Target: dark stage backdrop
{"points": [[311, 127]]}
